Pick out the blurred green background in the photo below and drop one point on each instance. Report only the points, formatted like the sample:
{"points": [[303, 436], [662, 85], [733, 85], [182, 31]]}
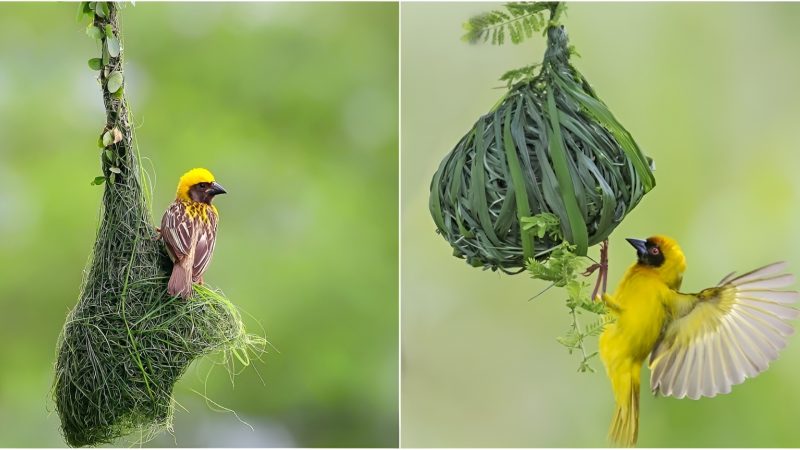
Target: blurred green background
{"points": [[709, 91], [294, 109]]}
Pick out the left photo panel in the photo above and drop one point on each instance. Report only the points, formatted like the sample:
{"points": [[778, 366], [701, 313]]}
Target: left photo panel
{"points": [[199, 224]]}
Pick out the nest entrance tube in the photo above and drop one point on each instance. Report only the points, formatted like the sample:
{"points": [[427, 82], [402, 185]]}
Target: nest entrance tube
{"points": [[127, 342], [550, 147]]}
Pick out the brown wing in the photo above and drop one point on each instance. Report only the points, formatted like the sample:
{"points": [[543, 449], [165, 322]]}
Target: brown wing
{"points": [[177, 229], [206, 238]]}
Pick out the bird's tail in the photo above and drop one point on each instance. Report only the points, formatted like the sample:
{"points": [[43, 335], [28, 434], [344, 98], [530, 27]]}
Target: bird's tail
{"points": [[624, 430], [180, 282]]}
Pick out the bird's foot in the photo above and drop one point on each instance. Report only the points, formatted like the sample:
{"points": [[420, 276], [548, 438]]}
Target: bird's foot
{"points": [[602, 271], [608, 301]]}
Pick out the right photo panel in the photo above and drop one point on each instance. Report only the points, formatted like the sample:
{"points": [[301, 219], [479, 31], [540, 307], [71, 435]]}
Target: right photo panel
{"points": [[599, 224]]}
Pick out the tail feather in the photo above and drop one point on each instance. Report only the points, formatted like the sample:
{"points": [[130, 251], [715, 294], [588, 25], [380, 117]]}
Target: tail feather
{"points": [[180, 282], [624, 430]]}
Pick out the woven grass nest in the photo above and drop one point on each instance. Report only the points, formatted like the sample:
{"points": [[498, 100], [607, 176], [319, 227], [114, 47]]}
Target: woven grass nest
{"points": [[127, 342], [549, 146]]}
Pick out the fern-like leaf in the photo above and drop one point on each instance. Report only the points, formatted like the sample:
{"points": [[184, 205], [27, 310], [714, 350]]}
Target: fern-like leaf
{"points": [[596, 327], [521, 74], [518, 19]]}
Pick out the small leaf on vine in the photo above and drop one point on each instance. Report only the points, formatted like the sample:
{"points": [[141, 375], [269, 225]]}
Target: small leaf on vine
{"points": [[113, 46], [95, 63], [94, 32], [101, 8], [83, 10], [98, 181], [114, 81]]}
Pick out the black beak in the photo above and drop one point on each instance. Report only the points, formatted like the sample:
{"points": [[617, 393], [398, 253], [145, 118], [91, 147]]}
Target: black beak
{"points": [[639, 245], [217, 189]]}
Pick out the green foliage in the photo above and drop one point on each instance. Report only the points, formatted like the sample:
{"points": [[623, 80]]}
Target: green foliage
{"points": [[518, 20], [112, 45], [541, 225], [96, 63], [94, 32], [563, 268], [575, 338], [523, 74], [98, 181], [101, 9], [114, 81], [83, 10]]}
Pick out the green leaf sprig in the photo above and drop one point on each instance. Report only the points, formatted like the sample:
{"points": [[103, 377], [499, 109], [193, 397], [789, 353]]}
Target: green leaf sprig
{"points": [[563, 268], [518, 20]]}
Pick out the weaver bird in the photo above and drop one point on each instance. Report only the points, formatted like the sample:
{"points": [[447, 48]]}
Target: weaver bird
{"points": [[700, 345], [189, 229]]}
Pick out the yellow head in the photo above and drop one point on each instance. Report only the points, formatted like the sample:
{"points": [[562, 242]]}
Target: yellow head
{"points": [[198, 185], [662, 255]]}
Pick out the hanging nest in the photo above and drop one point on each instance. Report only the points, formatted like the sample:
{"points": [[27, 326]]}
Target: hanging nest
{"points": [[127, 342], [550, 147]]}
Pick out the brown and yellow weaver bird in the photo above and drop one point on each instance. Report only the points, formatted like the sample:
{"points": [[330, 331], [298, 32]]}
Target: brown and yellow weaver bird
{"points": [[189, 230], [700, 345]]}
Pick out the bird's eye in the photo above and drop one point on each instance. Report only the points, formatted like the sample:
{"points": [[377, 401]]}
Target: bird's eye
{"points": [[654, 250]]}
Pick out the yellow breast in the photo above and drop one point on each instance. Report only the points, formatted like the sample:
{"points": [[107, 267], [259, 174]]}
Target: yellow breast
{"points": [[199, 210], [641, 297]]}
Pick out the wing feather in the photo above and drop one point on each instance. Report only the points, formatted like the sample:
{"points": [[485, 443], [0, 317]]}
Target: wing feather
{"points": [[694, 382], [731, 333], [762, 272], [725, 372], [177, 230], [745, 367], [205, 244], [749, 344], [673, 371]]}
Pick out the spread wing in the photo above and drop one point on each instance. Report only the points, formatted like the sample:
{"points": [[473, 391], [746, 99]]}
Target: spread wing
{"points": [[177, 229], [732, 332]]}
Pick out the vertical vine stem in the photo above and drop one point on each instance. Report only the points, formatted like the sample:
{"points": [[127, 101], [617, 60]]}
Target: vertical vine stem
{"points": [[117, 137]]}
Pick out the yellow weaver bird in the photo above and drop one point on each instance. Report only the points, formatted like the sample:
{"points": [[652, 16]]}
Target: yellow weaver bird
{"points": [[189, 230], [700, 345]]}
